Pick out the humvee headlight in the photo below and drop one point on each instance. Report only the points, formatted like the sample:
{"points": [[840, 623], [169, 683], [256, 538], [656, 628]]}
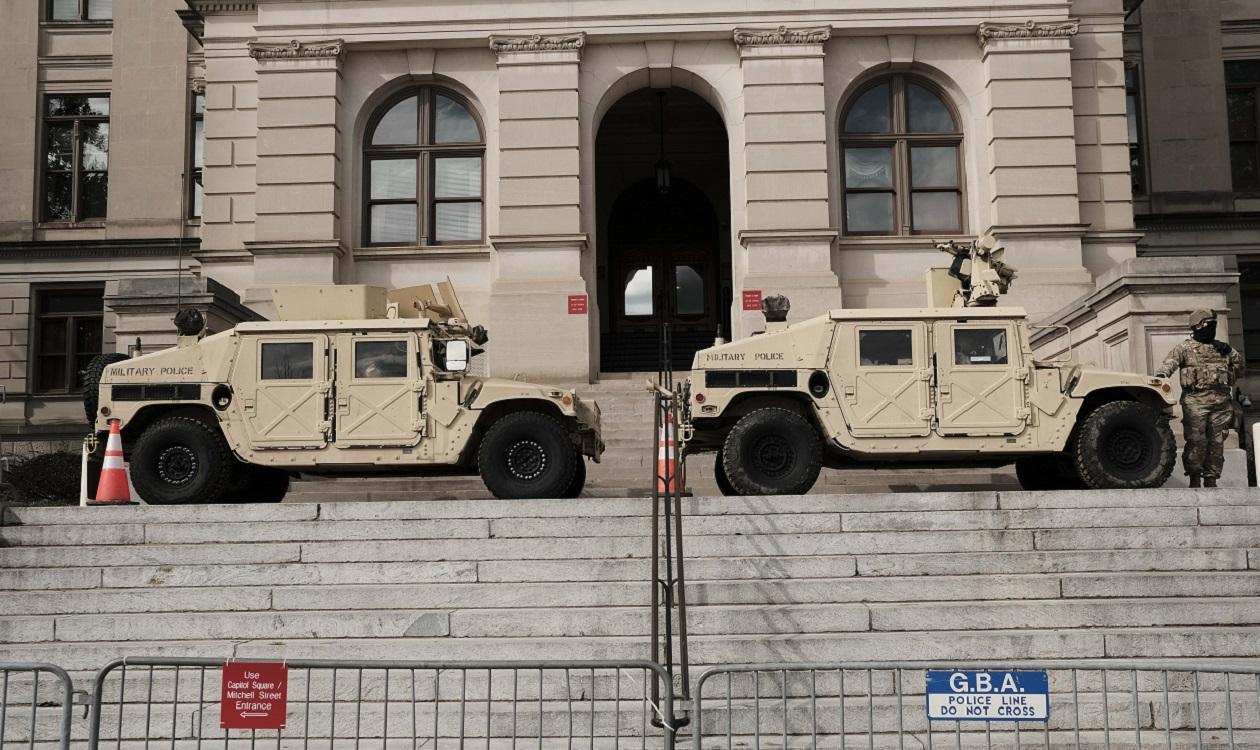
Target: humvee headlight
{"points": [[456, 356]]}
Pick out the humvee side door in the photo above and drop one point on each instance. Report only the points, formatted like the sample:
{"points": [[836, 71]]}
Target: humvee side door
{"points": [[882, 372], [981, 378], [282, 385], [378, 391]]}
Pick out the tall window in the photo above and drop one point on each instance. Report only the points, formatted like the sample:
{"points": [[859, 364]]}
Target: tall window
{"points": [[80, 10], [1133, 112], [423, 171], [76, 157], [902, 153], [67, 336], [196, 155], [1249, 290], [1242, 81]]}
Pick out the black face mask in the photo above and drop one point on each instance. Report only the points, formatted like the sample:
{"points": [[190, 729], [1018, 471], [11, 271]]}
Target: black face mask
{"points": [[1205, 333]]}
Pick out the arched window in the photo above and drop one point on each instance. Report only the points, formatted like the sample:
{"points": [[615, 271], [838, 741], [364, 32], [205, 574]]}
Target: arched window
{"points": [[901, 148], [422, 171]]}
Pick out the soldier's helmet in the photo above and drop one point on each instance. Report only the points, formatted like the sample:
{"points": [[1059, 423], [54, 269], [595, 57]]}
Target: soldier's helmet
{"points": [[1199, 317]]}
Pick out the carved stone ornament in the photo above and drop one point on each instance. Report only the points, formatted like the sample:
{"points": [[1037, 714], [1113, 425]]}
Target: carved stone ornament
{"points": [[1029, 30], [197, 85], [296, 50], [538, 43], [782, 35]]}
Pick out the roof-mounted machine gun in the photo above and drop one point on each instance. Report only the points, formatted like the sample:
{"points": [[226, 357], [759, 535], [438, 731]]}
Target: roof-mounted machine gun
{"points": [[979, 273]]}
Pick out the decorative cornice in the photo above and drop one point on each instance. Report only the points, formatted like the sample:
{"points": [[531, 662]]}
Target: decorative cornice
{"points": [[297, 50], [501, 44], [223, 6], [782, 35], [1029, 30]]}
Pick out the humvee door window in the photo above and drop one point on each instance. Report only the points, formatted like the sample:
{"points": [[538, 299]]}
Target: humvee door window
{"points": [[288, 360], [380, 359], [885, 348], [980, 346]]}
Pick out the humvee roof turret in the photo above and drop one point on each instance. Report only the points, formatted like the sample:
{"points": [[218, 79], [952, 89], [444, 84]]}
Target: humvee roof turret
{"points": [[923, 386], [353, 379]]}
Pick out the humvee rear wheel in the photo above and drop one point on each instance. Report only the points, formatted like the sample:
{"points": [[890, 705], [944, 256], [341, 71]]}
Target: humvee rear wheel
{"points": [[180, 460], [527, 455], [772, 452], [1124, 445], [579, 479], [719, 475]]}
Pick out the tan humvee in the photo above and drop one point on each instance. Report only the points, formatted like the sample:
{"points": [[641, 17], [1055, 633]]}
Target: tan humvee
{"points": [[351, 379], [933, 386]]}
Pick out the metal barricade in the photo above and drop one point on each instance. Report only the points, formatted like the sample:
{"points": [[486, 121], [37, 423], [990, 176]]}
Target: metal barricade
{"points": [[1093, 704], [34, 714], [495, 705]]}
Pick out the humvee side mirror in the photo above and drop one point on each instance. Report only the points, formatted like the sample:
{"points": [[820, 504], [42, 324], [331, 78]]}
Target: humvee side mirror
{"points": [[456, 356]]}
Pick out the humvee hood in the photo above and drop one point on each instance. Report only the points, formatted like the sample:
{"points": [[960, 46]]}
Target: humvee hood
{"points": [[796, 346], [203, 361]]}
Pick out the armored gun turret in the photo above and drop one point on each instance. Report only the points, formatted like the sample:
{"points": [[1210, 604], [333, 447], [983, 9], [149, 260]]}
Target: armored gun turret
{"points": [[977, 276]]}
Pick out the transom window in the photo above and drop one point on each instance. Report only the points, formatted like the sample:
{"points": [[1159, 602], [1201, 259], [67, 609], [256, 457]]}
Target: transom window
{"points": [[423, 180], [901, 149], [80, 10]]}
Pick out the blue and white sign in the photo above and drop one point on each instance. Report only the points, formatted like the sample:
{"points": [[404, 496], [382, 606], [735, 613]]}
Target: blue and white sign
{"points": [[960, 695]]}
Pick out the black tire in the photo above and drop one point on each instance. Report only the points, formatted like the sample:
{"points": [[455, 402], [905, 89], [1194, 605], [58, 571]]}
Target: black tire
{"points": [[92, 382], [579, 480], [772, 452], [256, 484], [527, 456], [181, 460], [1124, 445], [719, 475], [1053, 472]]}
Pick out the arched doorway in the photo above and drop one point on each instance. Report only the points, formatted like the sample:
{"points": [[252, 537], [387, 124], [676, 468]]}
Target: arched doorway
{"points": [[663, 205]]}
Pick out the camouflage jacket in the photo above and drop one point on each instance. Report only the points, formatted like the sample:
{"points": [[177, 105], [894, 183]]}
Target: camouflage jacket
{"points": [[1202, 367]]}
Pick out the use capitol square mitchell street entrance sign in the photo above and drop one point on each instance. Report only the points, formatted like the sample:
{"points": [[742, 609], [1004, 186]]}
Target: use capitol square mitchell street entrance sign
{"points": [[960, 695], [255, 695]]}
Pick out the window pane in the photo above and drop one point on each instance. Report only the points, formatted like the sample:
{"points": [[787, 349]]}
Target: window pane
{"points": [[935, 212], [92, 190], [934, 166], [52, 374], [393, 178], [980, 346], [288, 361], [457, 221], [1242, 114], [380, 359], [871, 113], [198, 193], [94, 144], [70, 302], [199, 104], [65, 10], [99, 10], [454, 124], [396, 223], [87, 336], [57, 196], [52, 336], [688, 291], [398, 126], [199, 144], [928, 114], [637, 293], [869, 212], [885, 348], [60, 146], [1130, 110], [1242, 157], [66, 106], [868, 167], [458, 177]]}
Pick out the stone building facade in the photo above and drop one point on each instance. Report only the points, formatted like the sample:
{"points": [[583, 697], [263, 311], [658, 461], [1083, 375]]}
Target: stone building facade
{"points": [[582, 171]]}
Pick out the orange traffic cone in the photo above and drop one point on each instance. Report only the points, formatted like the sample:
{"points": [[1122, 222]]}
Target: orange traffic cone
{"points": [[113, 489], [666, 457]]}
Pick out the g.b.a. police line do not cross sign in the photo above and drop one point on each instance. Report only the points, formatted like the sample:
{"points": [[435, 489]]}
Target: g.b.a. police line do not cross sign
{"points": [[960, 695]]}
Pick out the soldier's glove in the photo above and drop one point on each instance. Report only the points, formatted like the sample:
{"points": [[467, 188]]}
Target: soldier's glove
{"points": [[1222, 348]]}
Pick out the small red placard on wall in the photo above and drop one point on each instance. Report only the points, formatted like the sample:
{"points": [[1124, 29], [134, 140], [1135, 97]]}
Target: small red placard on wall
{"points": [[255, 695], [752, 299], [577, 304]]}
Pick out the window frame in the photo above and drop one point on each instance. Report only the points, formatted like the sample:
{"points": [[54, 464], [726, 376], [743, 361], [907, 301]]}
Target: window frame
{"points": [[901, 141], [81, 17], [263, 343], [861, 330], [35, 354], [1254, 141], [195, 173], [425, 153], [1139, 176], [76, 160]]}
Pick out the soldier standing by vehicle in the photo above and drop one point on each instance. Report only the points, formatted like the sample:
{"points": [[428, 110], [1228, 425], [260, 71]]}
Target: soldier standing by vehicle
{"points": [[1209, 369]]}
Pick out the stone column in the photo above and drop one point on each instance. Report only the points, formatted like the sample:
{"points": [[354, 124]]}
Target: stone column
{"points": [[538, 248], [789, 234], [145, 308], [297, 235], [1032, 182]]}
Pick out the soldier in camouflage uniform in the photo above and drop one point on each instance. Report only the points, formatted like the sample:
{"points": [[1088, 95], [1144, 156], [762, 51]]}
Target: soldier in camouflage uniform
{"points": [[1209, 369]]}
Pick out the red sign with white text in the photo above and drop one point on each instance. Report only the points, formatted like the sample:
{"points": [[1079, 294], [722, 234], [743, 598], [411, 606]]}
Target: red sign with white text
{"points": [[752, 299], [255, 695], [577, 304]]}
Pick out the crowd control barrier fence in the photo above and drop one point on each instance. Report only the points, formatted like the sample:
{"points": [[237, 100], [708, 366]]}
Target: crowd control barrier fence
{"points": [[36, 705]]}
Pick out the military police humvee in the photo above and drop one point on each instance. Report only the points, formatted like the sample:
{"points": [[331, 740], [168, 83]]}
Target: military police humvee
{"points": [[953, 385], [351, 379]]}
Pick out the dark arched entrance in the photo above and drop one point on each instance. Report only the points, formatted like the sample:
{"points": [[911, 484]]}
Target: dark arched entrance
{"points": [[664, 244]]}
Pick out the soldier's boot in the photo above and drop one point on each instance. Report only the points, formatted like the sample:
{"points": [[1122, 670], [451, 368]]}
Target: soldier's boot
{"points": [[1195, 482], [1209, 481]]}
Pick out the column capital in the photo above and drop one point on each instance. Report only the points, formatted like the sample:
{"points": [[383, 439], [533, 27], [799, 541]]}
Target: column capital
{"points": [[332, 49], [996, 32], [505, 44]]}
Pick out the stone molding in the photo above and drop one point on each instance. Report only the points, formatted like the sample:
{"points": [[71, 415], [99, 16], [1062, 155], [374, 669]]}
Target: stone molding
{"points": [[989, 32], [826, 235], [295, 50], [223, 6], [503, 44], [296, 247], [745, 37], [518, 242]]}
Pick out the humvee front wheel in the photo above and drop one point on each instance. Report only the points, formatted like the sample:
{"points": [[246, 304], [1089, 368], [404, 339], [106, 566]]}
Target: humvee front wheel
{"points": [[180, 460], [772, 452], [719, 475], [527, 456], [1124, 445], [578, 481]]}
